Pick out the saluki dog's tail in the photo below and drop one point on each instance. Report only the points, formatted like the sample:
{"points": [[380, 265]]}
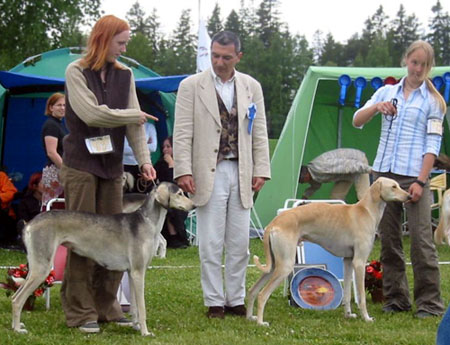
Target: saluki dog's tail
{"points": [[268, 252]]}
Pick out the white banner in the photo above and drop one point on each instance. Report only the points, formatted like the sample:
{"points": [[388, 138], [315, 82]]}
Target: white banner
{"points": [[203, 48]]}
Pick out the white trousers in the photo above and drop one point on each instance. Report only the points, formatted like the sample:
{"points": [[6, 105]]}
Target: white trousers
{"points": [[223, 224]]}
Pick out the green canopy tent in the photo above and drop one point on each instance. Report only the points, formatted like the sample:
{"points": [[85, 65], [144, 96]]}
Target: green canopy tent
{"points": [[317, 123], [23, 94]]}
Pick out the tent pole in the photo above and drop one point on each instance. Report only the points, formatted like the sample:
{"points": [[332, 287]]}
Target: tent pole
{"points": [[2, 124], [339, 133]]}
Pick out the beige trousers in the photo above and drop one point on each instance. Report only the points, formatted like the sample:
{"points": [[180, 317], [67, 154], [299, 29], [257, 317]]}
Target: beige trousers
{"points": [[223, 226]]}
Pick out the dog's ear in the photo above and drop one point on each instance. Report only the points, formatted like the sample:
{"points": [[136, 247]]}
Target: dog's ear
{"points": [[163, 195], [375, 190]]}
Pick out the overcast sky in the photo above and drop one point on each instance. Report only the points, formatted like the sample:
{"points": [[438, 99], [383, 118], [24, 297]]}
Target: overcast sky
{"points": [[342, 18]]}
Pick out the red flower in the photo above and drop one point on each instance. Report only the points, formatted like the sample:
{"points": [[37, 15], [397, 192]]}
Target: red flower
{"points": [[15, 278], [374, 276], [39, 292]]}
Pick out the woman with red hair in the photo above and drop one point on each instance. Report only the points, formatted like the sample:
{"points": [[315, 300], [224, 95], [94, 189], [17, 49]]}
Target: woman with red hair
{"points": [[101, 110]]}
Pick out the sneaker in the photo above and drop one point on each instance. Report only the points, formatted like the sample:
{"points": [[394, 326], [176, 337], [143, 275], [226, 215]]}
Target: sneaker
{"points": [[90, 327], [390, 309], [424, 315], [124, 322]]}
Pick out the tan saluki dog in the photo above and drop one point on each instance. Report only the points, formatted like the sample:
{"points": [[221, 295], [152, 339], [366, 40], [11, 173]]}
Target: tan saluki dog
{"points": [[119, 242], [442, 232], [346, 231]]}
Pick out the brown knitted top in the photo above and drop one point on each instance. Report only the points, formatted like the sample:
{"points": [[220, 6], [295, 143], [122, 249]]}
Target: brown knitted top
{"points": [[95, 109]]}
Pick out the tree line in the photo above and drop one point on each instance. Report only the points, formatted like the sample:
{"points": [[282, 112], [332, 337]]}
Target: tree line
{"points": [[273, 55]]}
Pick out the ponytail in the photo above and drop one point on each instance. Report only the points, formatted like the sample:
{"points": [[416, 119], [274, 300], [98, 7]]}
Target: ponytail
{"points": [[437, 96]]}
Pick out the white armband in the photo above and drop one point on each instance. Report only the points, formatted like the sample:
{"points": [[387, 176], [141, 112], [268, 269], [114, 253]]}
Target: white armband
{"points": [[434, 126]]}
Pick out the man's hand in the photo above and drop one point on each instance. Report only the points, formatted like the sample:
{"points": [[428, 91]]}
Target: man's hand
{"points": [[257, 183], [186, 183], [148, 172]]}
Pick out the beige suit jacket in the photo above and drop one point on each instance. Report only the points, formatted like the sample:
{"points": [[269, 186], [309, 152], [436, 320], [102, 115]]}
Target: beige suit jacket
{"points": [[197, 135]]}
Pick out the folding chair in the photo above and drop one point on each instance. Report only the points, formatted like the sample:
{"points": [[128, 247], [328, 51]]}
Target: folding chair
{"points": [[59, 263], [191, 225], [438, 185]]}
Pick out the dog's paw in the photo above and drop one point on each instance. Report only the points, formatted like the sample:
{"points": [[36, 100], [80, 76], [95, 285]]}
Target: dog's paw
{"points": [[264, 323], [369, 319], [21, 330], [252, 318], [350, 316], [136, 326], [148, 334]]}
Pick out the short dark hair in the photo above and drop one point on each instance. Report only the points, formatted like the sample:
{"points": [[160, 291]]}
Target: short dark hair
{"points": [[225, 38], [304, 172]]}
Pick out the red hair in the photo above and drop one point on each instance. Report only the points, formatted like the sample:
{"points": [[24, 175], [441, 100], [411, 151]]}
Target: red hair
{"points": [[34, 181], [51, 102], [100, 38]]}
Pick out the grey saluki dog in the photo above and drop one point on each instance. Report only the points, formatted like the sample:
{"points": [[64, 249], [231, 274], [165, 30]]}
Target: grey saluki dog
{"points": [[131, 202], [347, 231], [120, 242]]}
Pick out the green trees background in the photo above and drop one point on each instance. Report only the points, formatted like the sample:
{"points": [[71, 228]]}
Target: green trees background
{"points": [[272, 54]]}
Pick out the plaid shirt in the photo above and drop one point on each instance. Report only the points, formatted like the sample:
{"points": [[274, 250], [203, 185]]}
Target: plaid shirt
{"points": [[402, 147]]}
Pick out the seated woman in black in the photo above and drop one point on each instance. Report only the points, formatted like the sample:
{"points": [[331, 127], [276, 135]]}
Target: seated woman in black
{"points": [[30, 205], [174, 230]]}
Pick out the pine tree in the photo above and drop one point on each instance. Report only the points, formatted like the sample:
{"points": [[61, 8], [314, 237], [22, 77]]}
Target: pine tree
{"points": [[136, 19], [146, 36], [233, 24], [30, 27], [268, 20], [439, 35], [404, 31], [214, 22], [317, 46], [378, 55], [183, 45]]}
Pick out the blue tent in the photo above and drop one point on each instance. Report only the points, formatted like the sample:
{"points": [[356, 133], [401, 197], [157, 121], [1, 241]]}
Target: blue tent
{"points": [[24, 91]]}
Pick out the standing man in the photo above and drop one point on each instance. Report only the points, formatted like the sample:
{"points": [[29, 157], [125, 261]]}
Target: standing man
{"points": [[221, 155]]}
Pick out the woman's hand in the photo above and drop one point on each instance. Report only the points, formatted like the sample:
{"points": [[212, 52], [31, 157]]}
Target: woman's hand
{"points": [[148, 172], [144, 117], [169, 160], [415, 190], [386, 108]]}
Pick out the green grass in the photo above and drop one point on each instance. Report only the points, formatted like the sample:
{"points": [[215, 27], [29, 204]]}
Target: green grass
{"points": [[175, 313]]}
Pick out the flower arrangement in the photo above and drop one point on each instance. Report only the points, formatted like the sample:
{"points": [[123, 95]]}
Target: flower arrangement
{"points": [[15, 277], [374, 276]]}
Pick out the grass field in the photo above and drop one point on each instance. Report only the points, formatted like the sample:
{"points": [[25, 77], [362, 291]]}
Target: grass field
{"points": [[176, 314]]}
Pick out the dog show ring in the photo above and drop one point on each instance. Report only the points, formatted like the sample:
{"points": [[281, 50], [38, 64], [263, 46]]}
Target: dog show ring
{"points": [[316, 288]]}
